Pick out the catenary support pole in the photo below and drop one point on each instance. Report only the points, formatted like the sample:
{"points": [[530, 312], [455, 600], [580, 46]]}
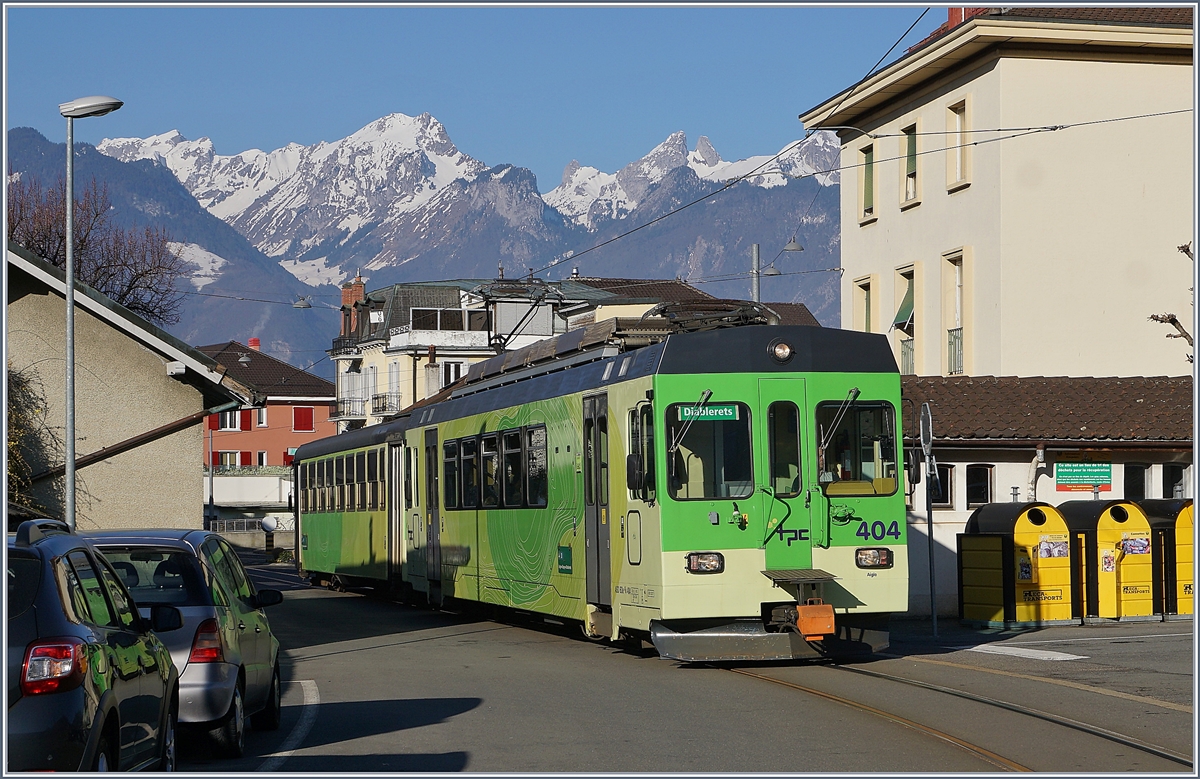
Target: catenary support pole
{"points": [[70, 296]]}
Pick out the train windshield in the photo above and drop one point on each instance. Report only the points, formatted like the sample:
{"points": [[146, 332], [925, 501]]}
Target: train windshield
{"points": [[708, 451], [856, 448]]}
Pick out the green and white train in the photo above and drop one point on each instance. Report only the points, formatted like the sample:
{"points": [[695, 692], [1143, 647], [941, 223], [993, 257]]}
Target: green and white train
{"points": [[729, 494]]}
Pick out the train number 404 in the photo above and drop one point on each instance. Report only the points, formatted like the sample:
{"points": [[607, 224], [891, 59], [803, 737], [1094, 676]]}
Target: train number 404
{"points": [[878, 531]]}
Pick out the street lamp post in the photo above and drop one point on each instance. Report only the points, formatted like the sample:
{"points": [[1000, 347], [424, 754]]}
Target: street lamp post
{"points": [[97, 105], [756, 272]]}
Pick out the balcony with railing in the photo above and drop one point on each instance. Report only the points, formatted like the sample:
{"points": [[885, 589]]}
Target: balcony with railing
{"points": [[907, 357], [443, 328], [385, 403], [351, 408], [954, 351], [344, 345]]}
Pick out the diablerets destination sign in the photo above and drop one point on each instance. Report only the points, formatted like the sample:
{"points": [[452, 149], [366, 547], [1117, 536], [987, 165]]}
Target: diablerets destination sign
{"points": [[707, 413]]}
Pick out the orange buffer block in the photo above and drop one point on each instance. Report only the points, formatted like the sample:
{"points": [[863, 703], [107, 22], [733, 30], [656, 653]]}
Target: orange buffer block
{"points": [[814, 619]]}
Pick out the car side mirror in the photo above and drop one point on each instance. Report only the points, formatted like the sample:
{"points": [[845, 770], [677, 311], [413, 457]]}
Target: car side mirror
{"points": [[913, 466], [633, 472], [164, 618], [267, 598]]}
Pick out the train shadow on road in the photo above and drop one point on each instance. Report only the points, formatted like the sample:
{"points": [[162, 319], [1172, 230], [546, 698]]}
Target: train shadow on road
{"points": [[391, 763]]}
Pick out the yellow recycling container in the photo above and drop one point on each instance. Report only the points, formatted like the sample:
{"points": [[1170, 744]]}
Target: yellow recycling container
{"points": [[1015, 567], [1116, 567], [1171, 527]]}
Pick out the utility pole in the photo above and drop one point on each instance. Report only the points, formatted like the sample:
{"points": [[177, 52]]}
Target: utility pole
{"points": [[754, 273], [930, 475]]}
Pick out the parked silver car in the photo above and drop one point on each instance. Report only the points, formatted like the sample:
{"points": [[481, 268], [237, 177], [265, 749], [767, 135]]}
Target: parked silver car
{"points": [[227, 657]]}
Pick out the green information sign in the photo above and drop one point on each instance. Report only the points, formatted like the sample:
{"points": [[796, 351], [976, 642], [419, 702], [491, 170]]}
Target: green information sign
{"points": [[1069, 474], [708, 413]]}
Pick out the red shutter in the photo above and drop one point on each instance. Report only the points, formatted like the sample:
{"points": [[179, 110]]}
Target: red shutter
{"points": [[245, 459], [246, 421], [302, 418], [214, 421], [287, 459], [216, 459]]}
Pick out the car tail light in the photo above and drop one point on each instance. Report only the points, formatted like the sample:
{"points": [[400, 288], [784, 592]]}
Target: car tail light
{"points": [[705, 562], [873, 558], [53, 665], [207, 646]]}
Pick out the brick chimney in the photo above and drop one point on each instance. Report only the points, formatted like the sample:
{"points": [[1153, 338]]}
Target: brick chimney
{"points": [[353, 292], [255, 344]]}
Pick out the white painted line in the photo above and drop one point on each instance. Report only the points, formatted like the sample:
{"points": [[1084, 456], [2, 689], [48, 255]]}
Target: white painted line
{"points": [[1104, 638], [1031, 654], [308, 716]]}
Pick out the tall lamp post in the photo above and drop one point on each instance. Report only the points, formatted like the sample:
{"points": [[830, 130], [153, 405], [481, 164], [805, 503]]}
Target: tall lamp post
{"points": [[96, 105], [756, 272]]}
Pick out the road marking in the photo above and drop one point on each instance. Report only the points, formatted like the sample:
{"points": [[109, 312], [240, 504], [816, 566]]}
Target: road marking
{"points": [[1060, 682], [1104, 638], [308, 716], [1016, 651]]}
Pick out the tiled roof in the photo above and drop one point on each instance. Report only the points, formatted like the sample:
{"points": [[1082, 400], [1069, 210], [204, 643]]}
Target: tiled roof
{"points": [[1157, 408], [664, 290], [267, 375], [793, 314]]}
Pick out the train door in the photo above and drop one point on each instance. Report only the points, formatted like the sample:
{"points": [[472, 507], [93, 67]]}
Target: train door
{"points": [[433, 549], [597, 530], [394, 479], [781, 429]]}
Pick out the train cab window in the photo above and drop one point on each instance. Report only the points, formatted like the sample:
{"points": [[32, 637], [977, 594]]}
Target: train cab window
{"points": [[512, 469], [783, 433], [450, 474], [856, 448], [708, 451], [536, 476], [489, 462], [468, 450]]}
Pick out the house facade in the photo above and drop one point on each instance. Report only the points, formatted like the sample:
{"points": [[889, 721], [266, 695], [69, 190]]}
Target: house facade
{"points": [[141, 398], [401, 344], [1014, 192]]}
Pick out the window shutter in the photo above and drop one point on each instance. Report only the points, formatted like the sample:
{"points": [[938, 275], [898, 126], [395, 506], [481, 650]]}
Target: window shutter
{"points": [[911, 137], [216, 459], [288, 458], [214, 421], [246, 422], [302, 418], [244, 458], [869, 179]]}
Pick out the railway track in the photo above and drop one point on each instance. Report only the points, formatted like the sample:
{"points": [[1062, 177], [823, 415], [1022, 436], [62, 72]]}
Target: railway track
{"points": [[987, 755]]}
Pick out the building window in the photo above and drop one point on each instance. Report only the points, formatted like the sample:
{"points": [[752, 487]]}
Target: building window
{"points": [[227, 459], [863, 302], [905, 322], [954, 333], [957, 151], [942, 490], [867, 205], [910, 164], [262, 459], [262, 417], [1172, 481], [979, 485], [451, 372], [230, 420], [1135, 481], [302, 419]]}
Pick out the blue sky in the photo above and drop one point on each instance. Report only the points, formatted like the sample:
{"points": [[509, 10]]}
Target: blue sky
{"points": [[535, 87]]}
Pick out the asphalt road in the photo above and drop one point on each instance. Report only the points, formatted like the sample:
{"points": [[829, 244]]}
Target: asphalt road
{"points": [[372, 685]]}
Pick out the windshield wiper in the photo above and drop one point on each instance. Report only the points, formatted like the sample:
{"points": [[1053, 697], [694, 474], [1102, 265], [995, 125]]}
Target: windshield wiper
{"points": [[837, 420], [695, 412]]}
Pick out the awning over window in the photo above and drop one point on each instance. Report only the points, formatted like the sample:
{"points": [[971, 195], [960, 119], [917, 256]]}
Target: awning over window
{"points": [[904, 314]]}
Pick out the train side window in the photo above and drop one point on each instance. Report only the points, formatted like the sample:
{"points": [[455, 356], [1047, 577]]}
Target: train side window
{"points": [[431, 471], [339, 481], [469, 450], [450, 477], [649, 488], [640, 463], [360, 479], [589, 472], [489, 459], [408, 478], [783, 435], [513, 470], [602, 428], [536, 475], [372, 479]]}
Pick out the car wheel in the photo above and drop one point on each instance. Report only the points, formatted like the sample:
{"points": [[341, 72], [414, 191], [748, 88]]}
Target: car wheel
{"points": [[103, 761], [268, 718], [168, 759], [230, 735]]}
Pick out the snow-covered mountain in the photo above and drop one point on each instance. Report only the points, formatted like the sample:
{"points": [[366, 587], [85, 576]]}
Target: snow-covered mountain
{"points": [[398, 201], [587, 195]]}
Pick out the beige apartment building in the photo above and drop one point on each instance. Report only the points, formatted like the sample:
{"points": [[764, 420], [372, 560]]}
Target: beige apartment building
{"points": [[1014, 190], [986, 243]]}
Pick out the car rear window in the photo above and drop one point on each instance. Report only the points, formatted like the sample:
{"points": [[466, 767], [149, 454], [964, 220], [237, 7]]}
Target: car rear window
{"points": [[24, 575], [159, 576]]}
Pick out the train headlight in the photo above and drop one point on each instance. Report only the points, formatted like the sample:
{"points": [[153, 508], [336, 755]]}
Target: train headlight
{"points": [[781, 351], [705, 562], [873, 558]]}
